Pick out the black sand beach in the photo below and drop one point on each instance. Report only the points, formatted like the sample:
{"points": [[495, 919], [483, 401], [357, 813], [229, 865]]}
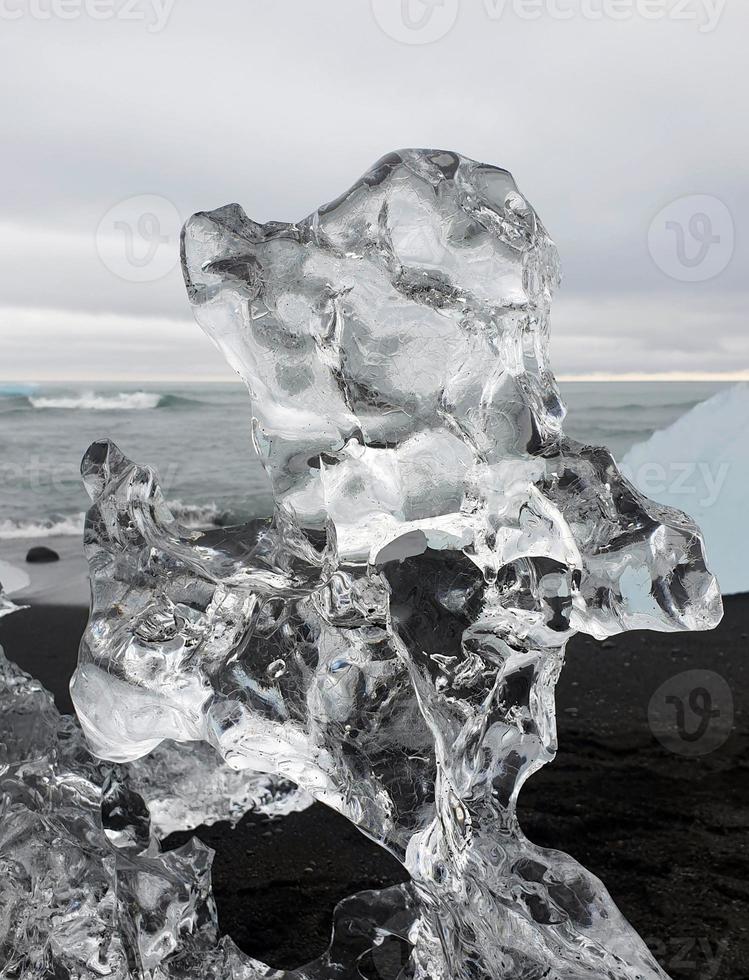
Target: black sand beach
{"points": [[665, 828]]}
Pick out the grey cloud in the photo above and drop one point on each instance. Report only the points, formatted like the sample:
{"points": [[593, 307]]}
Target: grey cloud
{"points": [[281, 105]]}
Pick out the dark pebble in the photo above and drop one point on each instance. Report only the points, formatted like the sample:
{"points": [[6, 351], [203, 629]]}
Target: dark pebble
{"points": [[40, 554]]}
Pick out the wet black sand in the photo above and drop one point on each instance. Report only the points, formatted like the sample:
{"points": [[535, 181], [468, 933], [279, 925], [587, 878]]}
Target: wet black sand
{"points": [[667, 831]]}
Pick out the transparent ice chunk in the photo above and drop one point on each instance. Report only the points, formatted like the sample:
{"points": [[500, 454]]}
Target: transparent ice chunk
{"points": [[84, 891], [390, 641], [187, 785]]}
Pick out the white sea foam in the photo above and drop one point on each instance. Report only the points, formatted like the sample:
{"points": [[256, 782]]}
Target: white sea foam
{"points": [[57, 526], [699, 465], [93, 402], [189, 515], [197, 515]]}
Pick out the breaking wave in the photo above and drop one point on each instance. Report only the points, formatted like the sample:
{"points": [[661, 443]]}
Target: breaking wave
{"points": [[90, 401], [128, 401], [54, 527], [199, 515], [192, 516]]}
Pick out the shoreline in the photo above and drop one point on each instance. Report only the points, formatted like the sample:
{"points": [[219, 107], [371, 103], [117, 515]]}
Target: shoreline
{"points": [[57, 583]]}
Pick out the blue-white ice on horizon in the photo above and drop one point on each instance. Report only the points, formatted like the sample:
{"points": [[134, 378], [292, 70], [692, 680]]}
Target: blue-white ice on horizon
{"points": [[700, 464]]}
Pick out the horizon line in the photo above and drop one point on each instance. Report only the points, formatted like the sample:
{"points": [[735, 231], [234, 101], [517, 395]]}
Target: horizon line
{"points": [[593, 377]]}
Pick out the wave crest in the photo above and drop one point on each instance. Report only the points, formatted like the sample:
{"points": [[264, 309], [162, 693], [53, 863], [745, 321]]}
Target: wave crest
{"points": [[71, 525], [90, 401], [198, 515], [192, 516]]}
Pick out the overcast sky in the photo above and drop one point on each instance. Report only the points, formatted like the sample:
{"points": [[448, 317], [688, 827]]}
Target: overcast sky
{"points": [[623, 122]]}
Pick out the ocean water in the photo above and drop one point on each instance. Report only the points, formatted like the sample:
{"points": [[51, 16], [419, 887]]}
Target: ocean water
{"points": [[198, 438]]}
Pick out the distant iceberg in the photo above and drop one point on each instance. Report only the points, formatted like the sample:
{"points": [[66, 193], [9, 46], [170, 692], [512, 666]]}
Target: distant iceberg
{"points": [[700, 465]]}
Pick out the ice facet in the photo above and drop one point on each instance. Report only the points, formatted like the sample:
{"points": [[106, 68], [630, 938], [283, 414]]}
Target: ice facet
{"points": [[84, 891], [390, 641], [187, 785]]}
